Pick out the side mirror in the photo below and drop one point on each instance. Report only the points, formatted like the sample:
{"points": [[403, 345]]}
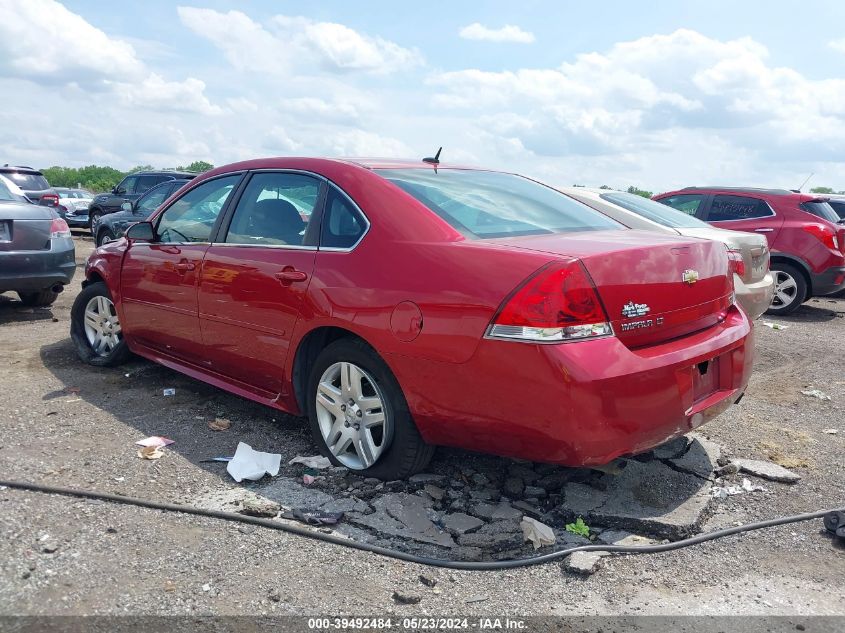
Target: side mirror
{"points": [[141, 232], [118, 191], [126, 206]]}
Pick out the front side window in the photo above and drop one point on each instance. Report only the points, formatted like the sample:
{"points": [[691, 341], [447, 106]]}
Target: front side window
{"points": [[127, 185], [274, 210], [191, 218], [152, 199], [486, 204], [654, 211], [726, 208], [343, 225], [687, 203]]}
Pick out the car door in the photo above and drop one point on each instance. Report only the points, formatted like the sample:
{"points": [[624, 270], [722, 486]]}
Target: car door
{"points": [[255, 277], [159, 279], [122, 192], [741, 212]]}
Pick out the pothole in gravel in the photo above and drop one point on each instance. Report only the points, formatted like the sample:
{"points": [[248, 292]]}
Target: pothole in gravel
{"points": [[469, 507]]}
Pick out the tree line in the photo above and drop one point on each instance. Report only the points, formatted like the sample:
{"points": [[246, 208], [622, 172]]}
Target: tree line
{"points": [[98, 178]]}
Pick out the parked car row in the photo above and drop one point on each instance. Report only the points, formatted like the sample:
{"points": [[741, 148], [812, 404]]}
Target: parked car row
{"points": [[804, 233]]}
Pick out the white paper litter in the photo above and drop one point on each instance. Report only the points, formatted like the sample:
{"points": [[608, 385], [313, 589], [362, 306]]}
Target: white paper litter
{"points": [[317, 461], [719, 492], [253, 465], [169, 392], [538, 533], [155, 440], [816, 393], [830, 431], [775, 326]]}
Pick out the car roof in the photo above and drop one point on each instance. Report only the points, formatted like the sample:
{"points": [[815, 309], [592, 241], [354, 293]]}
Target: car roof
{"points": [[759, 191], [166, 172], [7, 168]]}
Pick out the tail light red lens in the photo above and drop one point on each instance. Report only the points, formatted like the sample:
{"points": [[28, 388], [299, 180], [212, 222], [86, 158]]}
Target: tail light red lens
{"points": [[59, 228], [736, 263], [559, 303], [50, 200], [824, 234]]}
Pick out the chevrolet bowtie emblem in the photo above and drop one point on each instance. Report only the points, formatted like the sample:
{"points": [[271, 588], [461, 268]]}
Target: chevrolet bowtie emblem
{"points": [[689, 276]]}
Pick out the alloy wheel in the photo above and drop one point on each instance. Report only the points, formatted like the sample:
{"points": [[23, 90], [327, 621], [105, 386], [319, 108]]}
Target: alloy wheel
{"points": [[102, 327], [353, 419], [786, 289]]}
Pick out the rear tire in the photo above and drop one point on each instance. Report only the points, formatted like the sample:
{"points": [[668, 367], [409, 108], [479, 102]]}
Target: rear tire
{"points": [[94, 216], [790, 290], [401, 451], [38, 299], [104, 236], [93, 313]]}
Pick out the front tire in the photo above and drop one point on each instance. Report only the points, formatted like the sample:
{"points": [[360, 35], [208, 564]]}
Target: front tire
{"points": [[38, 299], [790, 290], [94, 216], [358, 414], [104, 236], [95, 328]]}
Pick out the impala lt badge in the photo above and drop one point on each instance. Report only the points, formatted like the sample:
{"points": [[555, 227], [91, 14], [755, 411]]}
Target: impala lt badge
{"points": [[689, 276], [632, 309]]}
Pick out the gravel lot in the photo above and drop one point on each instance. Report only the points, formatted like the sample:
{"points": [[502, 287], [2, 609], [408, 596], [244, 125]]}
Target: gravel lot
{"points": [[65, 556]]}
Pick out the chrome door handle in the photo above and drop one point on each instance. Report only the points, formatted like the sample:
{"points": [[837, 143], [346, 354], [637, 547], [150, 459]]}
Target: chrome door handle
{"points": [[763, 230], [290, 275]]}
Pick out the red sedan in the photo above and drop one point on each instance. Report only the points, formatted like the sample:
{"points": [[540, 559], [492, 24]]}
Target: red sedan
{"points": [[403, 305]]}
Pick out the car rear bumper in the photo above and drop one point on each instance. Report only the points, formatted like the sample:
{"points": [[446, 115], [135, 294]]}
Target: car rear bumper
{"points": [[77, 220], [38, 270], [755, 298], [827, 282], [582, 403]]}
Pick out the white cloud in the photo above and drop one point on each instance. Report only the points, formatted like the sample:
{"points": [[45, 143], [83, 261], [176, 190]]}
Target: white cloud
{"points": [[273, 46], [41, 40], [156, 93], [619, 101], [508, 33], [837, 45]]}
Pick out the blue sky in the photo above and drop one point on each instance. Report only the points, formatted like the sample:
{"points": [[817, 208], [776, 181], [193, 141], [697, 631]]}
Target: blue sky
{"points": [[676, 94]]}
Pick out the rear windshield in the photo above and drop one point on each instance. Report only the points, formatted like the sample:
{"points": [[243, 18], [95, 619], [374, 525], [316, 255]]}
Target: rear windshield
{"points": [[654, 211], [486, 204], [28, 182], [821, 209]]}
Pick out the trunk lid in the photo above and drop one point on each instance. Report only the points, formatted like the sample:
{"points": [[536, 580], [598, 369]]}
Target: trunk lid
{"points": [[753, 247], [654, 287], [24, 227]]}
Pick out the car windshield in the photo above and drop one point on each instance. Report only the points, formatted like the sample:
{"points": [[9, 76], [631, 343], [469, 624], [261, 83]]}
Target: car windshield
{"points": [[486, 204], [28, 182], [654, 211]]}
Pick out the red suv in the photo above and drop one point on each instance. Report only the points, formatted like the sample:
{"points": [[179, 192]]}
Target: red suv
{"points": [[805, 237]]}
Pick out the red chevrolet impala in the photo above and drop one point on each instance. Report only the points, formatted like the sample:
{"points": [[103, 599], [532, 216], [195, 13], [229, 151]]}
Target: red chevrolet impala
{"points": [[402, 305]]}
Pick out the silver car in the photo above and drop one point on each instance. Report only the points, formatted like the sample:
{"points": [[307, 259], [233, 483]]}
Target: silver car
{"points": [[754, 288]]}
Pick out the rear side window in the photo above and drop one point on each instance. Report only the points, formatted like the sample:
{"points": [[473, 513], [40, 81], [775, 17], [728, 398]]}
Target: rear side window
{"points": [[726, 208], [343, 225], [274, 210], [5, 194], [28, 182], [821, 209], [146, 182], [486, 204], [654, 211], [688, 203]]}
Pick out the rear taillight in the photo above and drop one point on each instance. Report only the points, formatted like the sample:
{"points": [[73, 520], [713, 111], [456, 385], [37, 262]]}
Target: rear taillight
{"points": [[62, 208], [59, 228], [50, 200], [560, 303], [736, 263], [824, 234]]}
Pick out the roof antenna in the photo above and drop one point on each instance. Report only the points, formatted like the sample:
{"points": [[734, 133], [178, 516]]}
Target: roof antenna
{"points": [[433, 161], [804, 183]]}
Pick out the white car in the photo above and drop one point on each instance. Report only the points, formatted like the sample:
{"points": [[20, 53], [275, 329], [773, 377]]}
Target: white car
{"points": [[73, 205], [753, 282]]}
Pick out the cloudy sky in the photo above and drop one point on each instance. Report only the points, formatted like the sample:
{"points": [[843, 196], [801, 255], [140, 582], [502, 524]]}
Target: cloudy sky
{"points": [[691, 92]]}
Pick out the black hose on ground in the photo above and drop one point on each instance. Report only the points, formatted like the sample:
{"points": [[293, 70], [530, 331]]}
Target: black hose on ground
{"points": [[422, 560]]}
